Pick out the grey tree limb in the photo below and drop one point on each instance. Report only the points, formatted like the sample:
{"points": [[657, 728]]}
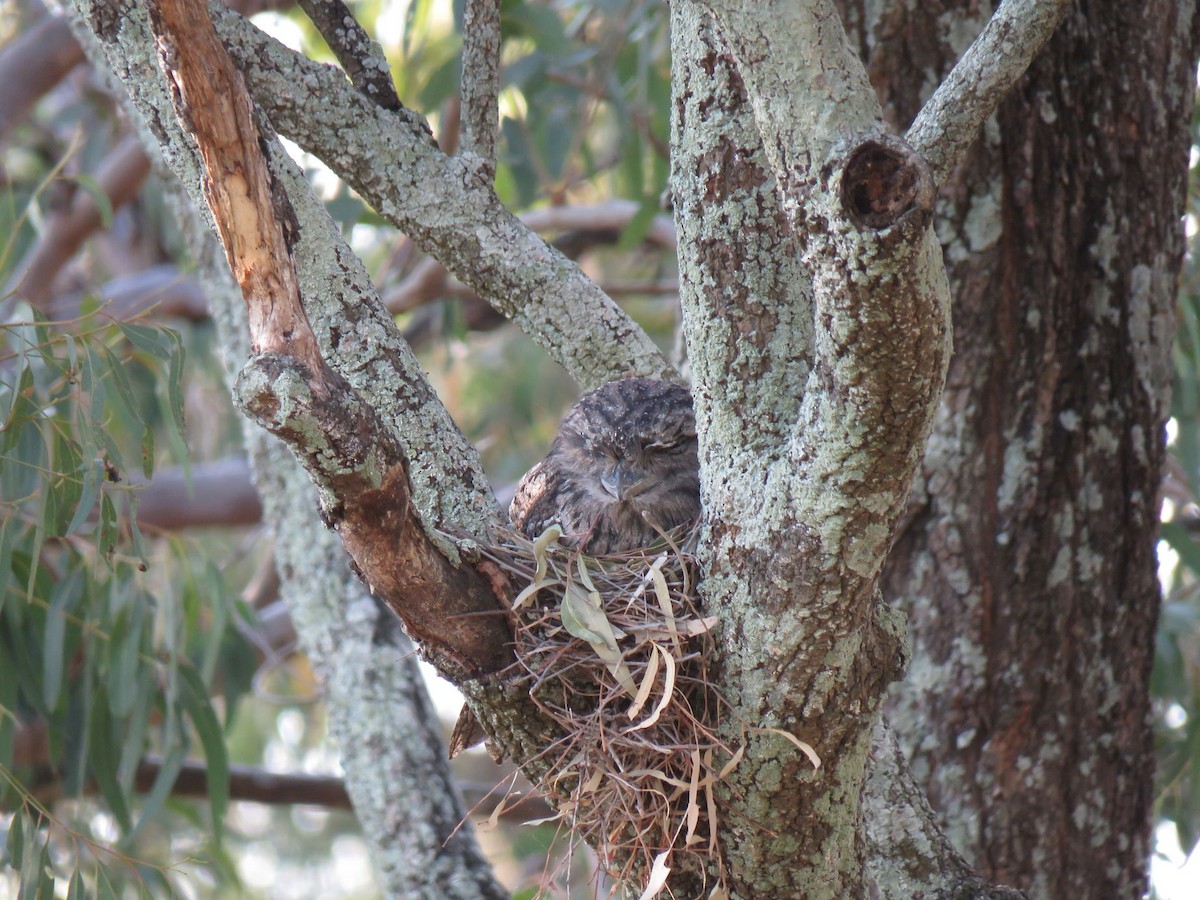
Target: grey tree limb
{"points": [[800, 512], [949, 123], [360, 57], [480, 80], [379, 715], [447, 205]]}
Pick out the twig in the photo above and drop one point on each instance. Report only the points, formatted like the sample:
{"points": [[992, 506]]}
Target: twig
{"points": [[949, 122]]}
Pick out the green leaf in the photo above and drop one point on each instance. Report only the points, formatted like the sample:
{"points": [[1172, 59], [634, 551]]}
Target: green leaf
{"points": [[65, 486], [17, 400], [105, 751], [175, 383], [105, 889], [16, 839], [8, 722], [109, 531], [164, 781], [135, 533], [137, 723], [214, 589], [127, 409], [216, 754], [126, 646], [79, 721], [147, 339], [54, 664], [76, 887], [93, 477], [92, 386], [10, 532], [45, 882], [148, 452]]}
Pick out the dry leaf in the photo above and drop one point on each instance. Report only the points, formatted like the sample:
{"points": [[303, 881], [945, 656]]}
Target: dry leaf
{"points": [[658, 876]]}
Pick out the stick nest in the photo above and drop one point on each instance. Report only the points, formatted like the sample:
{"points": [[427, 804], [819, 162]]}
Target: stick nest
{"points": [[615, 651]]}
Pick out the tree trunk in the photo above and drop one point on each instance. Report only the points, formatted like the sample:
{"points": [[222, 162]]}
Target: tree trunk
{"points": [[1027, 567]]}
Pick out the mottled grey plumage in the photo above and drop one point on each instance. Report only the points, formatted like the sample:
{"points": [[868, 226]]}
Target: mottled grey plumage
{"points": [[622, 467]]}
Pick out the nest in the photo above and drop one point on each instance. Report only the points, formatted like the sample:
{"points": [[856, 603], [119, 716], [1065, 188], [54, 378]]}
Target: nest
{"points": [[615, 651]]}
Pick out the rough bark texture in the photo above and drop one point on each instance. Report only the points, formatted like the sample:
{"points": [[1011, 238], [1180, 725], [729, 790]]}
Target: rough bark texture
{"points": [[805, 256], [1027, 568], [379, 713]]}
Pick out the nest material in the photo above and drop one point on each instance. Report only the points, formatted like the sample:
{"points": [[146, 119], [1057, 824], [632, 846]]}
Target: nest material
{"points": [[615, 652]]}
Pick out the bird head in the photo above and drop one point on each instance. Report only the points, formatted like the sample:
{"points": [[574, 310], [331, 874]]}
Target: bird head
{"points": [[634, 446]]}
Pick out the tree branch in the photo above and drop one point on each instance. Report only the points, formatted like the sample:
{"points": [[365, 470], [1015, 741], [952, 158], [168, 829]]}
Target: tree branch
{"points": [[801, 509], [361, 58], [288, 388], [949, 123], [163, 289], [451, 610], [212, 493], [378, 711], [480, 80], [749, 298], [429, 279], [33, 64], [446, 207]]}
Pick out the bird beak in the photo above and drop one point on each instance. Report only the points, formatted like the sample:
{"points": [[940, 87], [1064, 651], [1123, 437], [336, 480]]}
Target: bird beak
{"points": [[616, 481]]}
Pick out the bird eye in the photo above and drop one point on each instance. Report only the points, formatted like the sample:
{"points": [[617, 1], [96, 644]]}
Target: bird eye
{"points": [[660, 445]]}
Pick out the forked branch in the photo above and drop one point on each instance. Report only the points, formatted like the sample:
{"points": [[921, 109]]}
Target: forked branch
{"points": [[287, 386]]}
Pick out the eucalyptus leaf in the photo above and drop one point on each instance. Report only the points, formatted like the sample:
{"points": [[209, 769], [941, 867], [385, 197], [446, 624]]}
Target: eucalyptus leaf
{"points": [[216, 754], [105, 744], [164, 781]]}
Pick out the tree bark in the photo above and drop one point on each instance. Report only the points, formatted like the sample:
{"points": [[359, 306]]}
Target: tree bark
{"points": [[380, 715], [1027, 568]]}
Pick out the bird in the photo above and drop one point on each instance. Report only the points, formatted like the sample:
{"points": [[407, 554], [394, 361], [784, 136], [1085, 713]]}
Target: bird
{"points": [[622, 469]]}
